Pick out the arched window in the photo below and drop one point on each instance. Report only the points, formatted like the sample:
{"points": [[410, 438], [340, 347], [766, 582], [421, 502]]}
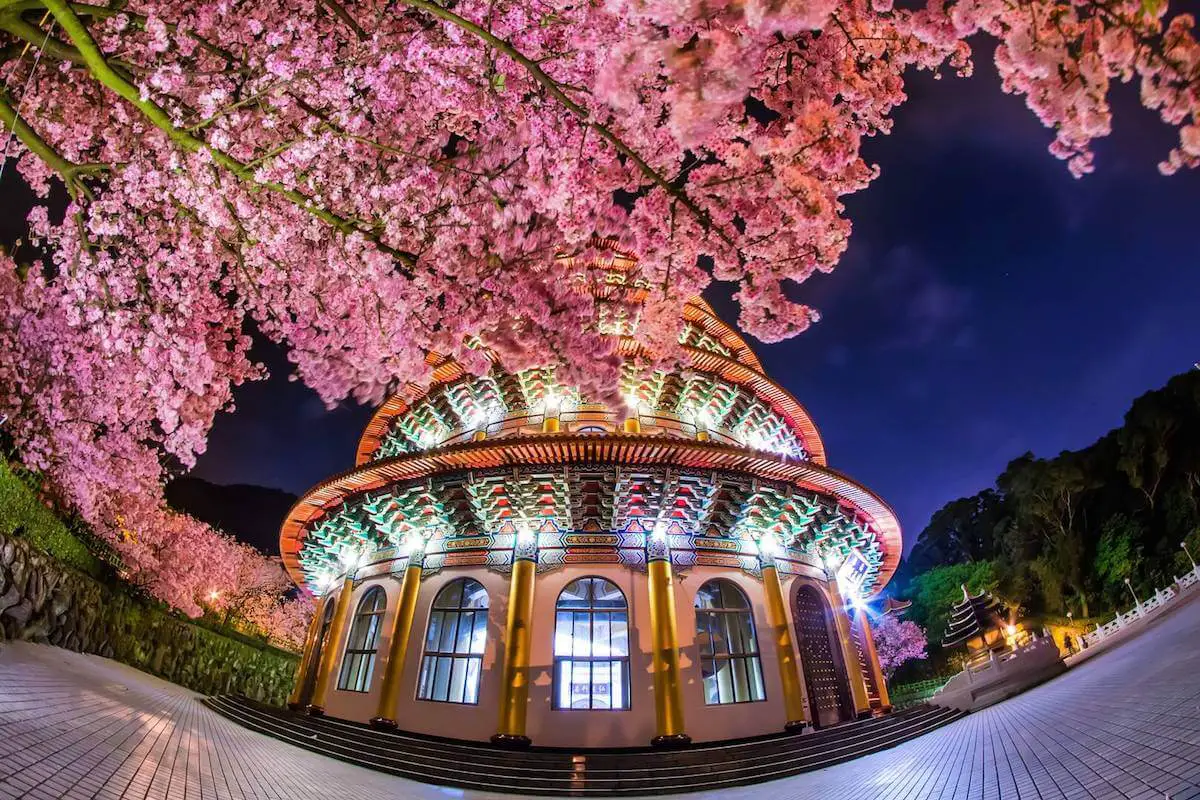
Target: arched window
{"points": [[454, 641], [728, 647], [591, 646], [359, 661]]}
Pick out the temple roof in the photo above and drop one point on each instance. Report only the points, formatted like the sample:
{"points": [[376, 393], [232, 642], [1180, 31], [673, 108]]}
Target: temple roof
{"points": [[715, 444], [971, 617], [713, 347]]}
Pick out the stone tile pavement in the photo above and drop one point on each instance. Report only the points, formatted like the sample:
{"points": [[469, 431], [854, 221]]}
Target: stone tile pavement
{"points": [[1125, 724]]}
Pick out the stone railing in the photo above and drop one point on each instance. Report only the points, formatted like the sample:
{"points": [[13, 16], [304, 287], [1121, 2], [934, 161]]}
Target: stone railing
{"points": [[1002, 675], [910, 694], [1143, 610], [42, 600]]}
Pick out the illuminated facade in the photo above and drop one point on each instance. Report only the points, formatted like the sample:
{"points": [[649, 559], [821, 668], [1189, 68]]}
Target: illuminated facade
{"points": [[510, 562]]}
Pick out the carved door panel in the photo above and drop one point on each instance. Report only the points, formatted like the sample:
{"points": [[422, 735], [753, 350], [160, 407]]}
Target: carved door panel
{"points": [[824, 675]]}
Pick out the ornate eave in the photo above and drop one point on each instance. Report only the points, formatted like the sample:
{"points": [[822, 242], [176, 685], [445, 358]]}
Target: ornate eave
{"points": [[626, 451], [740, 367]]}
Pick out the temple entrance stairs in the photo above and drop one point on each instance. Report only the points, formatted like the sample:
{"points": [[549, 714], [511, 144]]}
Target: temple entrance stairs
{"points": [[592, 773]]}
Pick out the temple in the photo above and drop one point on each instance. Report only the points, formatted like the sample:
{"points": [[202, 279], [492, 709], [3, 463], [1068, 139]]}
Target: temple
{"points": [[979, 623], [511, 562]]}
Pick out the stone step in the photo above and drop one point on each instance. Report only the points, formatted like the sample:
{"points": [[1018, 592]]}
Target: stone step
{"points": [[723, 750], [624, 760], [596, 773]]}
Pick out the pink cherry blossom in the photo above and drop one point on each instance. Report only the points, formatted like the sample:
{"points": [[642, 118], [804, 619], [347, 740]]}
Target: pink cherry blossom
{"points": [[897, 641], [369, 182]]}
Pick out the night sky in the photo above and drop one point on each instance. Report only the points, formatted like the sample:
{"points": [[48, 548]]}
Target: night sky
{"points": [[989, 304]]}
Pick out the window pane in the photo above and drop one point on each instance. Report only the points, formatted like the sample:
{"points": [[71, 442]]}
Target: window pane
{"points": [[474, 595], [741, 685], [607, 595], [479, 637], [562, 633], [733, 632], [725, 680], [720, 643], [734, 597], [372, 634], [581, 635], [451, 596], [449, 630], [458, 680], [620, 634], [601, 635], [425, 683], [757, 690], [435, 630], [441, 679], [743, 629], [368, 672], [574, 595], [466, 629], [474, 666], [581, 684], [704, 623], [619, 678], [712, 694], [357, 632], [601, 685], [361, 673], [562, 697], [458, 632]]}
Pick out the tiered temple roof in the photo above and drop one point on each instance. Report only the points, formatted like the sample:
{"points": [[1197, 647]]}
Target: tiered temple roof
{"points": [[715, 452], [973, 617]]}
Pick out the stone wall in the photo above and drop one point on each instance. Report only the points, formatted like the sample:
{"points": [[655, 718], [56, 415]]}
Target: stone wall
{"points": [[42, 600]]}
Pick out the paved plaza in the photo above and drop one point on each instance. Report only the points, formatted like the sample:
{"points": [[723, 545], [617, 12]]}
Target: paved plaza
{"points": [[1124, 724]]}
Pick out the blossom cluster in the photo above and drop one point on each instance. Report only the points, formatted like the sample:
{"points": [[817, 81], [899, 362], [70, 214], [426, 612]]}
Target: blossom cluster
{"points": [[371, 181], [897, 641]]}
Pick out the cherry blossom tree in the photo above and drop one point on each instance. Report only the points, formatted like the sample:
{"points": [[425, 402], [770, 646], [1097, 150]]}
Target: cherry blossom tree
{"points": [[367, 182], [284, 622], [897, 641]]}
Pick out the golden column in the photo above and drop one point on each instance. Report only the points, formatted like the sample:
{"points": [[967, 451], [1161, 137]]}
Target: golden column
{"points": [[858, 689], [514, 687], [310, 644], [389, 695], [668, 693], [785, 653], [331, 655], [873, 660]]}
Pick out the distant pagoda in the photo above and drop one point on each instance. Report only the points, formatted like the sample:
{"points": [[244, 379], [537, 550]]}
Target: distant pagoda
{"points": [[978, 622]]}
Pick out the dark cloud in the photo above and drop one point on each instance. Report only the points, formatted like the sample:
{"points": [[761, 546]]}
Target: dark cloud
{"points": [[925, 307]]}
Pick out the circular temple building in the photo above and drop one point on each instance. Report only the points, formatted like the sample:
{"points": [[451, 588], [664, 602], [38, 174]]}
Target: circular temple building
{"points": [[509, 562]]}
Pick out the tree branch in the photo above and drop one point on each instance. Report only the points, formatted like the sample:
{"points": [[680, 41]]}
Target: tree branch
{"points": [[341, 13], [70, 172], [12, 22], [100, 69], [556, 91]]}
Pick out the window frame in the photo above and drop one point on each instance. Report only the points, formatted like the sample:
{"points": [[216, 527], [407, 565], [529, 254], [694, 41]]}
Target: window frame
{"points": [[750, 661], [559, 662], [359, 662], [432, 658]]}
